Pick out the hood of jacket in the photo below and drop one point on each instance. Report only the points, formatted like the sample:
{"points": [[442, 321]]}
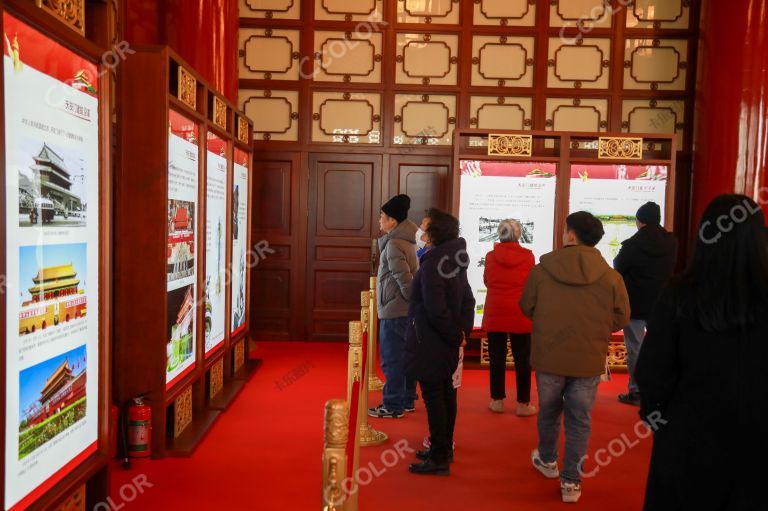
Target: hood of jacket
{"points": [[653, 240], [449, 255], [405, 230], [510, 254], [575, 266]]}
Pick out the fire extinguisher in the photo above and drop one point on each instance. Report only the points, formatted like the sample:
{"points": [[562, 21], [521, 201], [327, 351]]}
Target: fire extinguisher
{"points": [[139, 427]]}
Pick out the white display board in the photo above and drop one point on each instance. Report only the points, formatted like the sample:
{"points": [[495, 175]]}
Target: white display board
{"points": [[614, 193], [52, 252], [239, 240], [492, 191], [183, 171], [215, 247]]}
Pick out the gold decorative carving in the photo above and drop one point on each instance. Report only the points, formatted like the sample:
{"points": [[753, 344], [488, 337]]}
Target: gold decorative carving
{"points": [[485, 358], [365, 318], [336, 423], [239, 355], [70, 12], [617, 356], [365, 298], [219, 112], [75, 502], [182, 412], [620, 148], [217, 378], [187, 88], [510, 145], [242, 129]]}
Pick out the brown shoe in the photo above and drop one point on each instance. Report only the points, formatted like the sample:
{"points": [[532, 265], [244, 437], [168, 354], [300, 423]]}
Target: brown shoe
{"points": [[525, 410]]}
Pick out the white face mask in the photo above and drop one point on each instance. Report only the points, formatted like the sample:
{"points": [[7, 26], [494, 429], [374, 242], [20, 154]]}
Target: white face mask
{"points": [[420, 242]]}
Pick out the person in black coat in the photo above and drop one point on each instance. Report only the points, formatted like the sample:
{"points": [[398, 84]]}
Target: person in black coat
{"points": [[440, 319], [646, 261], [702, 372]]}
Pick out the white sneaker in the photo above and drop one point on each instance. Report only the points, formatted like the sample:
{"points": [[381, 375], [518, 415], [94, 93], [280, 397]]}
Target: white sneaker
{"points": [[548, 470], [571, 492], [497, 405]]}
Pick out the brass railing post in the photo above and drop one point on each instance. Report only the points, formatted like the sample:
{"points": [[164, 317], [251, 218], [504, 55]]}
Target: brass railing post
{"points": [[374, 383], [368, 435], [335, 455]]}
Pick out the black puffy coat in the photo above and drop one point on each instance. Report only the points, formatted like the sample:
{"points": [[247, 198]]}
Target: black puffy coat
{"points": [[441, 312], [646, 261]]}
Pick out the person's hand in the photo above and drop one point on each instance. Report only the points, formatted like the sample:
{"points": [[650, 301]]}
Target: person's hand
{"points": [[463, 340]]}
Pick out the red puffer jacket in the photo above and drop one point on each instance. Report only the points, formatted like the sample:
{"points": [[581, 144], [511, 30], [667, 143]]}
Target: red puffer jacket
{"points": [[506, 269]]}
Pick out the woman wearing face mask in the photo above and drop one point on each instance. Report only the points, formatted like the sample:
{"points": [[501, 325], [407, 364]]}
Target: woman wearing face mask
{"points": [[422, 240]]}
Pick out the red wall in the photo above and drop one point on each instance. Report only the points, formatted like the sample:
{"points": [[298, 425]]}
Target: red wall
{"points": [[731, 138], [203, 32]]}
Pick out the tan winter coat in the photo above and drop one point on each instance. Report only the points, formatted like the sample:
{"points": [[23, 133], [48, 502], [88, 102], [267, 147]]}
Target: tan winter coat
{"points": [[576, 301]]}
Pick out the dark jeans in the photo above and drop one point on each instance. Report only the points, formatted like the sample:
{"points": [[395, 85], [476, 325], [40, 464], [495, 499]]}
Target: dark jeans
{"points": [[399, 391], [440, 400], [521, 351]]}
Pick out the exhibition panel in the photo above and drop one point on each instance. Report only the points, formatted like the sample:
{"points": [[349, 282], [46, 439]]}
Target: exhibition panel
{"points": [[56, 292], [179, 222], [539, 178]]}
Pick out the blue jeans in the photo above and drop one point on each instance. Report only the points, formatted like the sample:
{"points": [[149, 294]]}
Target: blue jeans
{"points": [[634, 334], [572, 398], [398, 393]]}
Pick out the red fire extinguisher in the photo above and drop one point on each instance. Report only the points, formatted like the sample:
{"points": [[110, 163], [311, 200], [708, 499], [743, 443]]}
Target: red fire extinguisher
{"points": [[139, 428]]}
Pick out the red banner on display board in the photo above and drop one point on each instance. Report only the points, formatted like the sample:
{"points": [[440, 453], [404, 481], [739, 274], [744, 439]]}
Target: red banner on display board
{"points": [[52, 187], [620, 172], [28, 47], [478, 168]]}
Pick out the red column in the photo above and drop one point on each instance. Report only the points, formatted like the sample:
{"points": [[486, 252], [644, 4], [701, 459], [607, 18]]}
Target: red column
{"points": [[203, 32], [731, 134]]}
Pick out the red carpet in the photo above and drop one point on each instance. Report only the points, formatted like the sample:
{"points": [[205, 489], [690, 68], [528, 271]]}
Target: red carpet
{"points": [[264, 452]]}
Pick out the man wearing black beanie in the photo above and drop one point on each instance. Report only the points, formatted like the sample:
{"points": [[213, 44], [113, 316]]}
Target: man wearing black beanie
{"points": [[397, 266], [646, 262]]}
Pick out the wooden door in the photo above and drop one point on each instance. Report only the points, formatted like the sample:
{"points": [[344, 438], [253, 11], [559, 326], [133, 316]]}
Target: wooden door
{"points": [[344, 203], [425, 179]]}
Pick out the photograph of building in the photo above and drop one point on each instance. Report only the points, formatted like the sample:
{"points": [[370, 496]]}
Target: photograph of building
{"points": [[181, 239], [52, 399], [57, 294], [50, 191], [181, 315]]}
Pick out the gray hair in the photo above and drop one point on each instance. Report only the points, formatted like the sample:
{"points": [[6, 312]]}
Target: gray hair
{"points": [[510, 230]]}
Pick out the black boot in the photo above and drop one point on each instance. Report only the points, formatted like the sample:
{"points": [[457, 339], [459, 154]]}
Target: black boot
{"points": [[423, 455], [430, 467]]}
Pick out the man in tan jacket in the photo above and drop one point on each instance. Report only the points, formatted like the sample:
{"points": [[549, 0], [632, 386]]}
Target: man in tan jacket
{"points": [[576, 301]]}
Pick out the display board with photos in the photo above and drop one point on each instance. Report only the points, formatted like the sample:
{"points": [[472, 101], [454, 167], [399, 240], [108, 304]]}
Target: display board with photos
{"points": [[538, 178], [54, 284], [176, 345], [240, 230]]}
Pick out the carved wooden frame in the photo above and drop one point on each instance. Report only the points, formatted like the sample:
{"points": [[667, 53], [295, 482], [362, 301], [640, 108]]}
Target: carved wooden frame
{"points": [[219, 112], [479, 62], [553, 63], [476, 117], [319, 114], [245, 54], [528, 4], [553, 119], [290, 6], [276, 98], [186, 88], [373, 57], [659, 20], [447, 118], [353, 13], [606, 4], [631, 63], [451, 63], [69, 12], [662, 108], [407, 10]]}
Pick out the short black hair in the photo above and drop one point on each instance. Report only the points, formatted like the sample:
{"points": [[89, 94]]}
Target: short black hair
{"points": [[442, 227], [588, 228]]}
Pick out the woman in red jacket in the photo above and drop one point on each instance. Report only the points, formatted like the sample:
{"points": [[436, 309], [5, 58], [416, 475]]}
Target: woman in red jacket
{"points": [[506, 269]]}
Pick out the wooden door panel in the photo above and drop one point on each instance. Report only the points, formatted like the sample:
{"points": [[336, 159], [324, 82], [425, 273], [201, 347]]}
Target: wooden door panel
{"points": [[276, 301], [344, 190], [424, 179]]}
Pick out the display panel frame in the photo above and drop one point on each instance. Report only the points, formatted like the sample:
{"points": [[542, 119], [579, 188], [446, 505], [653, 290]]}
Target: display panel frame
{"points": [[563, 149], [85, 466]]}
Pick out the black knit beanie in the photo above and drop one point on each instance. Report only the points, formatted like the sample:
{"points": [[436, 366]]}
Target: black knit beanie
{"points": [[649, 214], [397, 207]]}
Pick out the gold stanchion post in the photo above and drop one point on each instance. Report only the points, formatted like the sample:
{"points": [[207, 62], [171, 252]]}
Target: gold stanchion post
{"points": [[335, 455], [368, 435], [374, 383]]}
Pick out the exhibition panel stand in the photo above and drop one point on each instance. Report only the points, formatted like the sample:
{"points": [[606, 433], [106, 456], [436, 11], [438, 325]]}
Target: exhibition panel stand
{"points": [[181, 208], [55, 258], [540, 177]]}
